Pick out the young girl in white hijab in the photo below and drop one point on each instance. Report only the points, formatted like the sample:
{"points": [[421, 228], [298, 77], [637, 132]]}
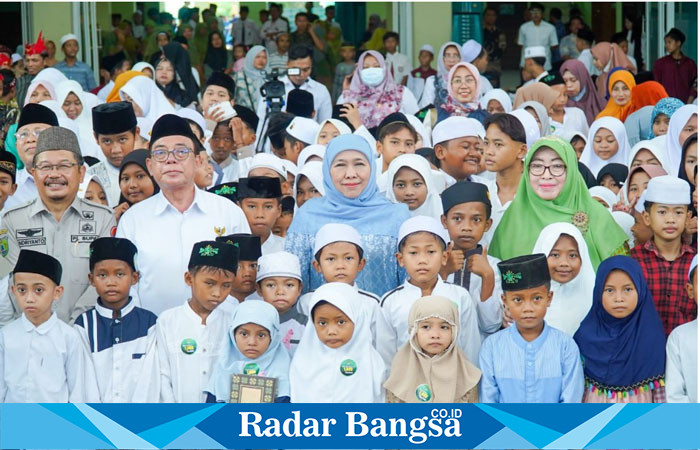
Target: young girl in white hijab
{"points": [[336, 361], [148, 100], [255, 348], [430, 367], [649, 152], [607, 143], [571, 272], [412, 183], [329, 129], [496, 101], [308, 183], [604, 196]]}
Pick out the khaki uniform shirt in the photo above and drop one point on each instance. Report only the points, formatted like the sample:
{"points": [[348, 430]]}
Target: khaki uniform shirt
{"points": [[31, 226]]}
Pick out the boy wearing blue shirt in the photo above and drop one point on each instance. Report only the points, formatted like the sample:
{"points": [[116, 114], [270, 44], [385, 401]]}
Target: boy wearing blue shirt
{"points": [[120, 336], [529, 362]]}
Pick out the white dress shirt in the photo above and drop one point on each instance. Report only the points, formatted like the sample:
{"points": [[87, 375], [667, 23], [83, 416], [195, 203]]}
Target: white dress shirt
{"points": [[26, 190], [396, 305], [45, 364], [273, 26], [574, 120], [544, 34], [399, 65], [165, 237], [248, 29], [185, 370], [682, 364], [123, 351], [272, 244]]}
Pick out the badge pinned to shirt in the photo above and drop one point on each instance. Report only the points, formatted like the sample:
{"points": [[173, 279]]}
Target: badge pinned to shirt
{"points": [[423, 393], [220, 231], [188, 346], [348, 367], [251, 369]]}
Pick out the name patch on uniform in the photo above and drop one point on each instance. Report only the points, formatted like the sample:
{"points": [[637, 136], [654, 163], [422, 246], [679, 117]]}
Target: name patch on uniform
{"points": [[29, 237], [88, 214], [82, 238], [87, 226]]}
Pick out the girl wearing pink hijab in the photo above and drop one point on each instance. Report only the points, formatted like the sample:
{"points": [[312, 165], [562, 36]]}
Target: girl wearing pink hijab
{"points": [[374, 92], [607, 56], [581, 90]]}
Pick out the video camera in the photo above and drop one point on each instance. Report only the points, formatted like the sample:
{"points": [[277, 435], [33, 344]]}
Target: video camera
{"points": [[273, 90]]}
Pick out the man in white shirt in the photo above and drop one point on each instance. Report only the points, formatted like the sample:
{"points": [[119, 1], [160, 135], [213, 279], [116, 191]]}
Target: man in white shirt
{"points": [[166, 226], [33, 120], [300, 57], [244, 31], [274, 26], [537, 33], [399, 65], [535, 58]]}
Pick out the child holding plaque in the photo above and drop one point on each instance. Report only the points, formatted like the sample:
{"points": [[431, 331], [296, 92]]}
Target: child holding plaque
{"points": [[192, 337], [529, 362], [431, 367], [254, 348], [336, 361]]}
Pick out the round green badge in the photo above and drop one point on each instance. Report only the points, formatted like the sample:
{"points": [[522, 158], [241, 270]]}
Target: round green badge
{"points": [[423, 393], [188, 346], [251, 369], [348, 367]]}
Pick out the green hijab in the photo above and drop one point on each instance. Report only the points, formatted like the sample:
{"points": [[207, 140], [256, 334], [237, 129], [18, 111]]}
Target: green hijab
{"points": [[529, 214]]}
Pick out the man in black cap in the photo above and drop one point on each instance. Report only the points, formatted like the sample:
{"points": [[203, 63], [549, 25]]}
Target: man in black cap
{"points": [[301, 103], [115, 129], [259, 198], [33, 120], [58, 222], [112, 66], [8, 178], [166, 226]]}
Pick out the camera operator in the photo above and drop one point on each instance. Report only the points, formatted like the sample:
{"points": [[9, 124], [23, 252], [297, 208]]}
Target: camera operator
{"points": [[300, 57]]}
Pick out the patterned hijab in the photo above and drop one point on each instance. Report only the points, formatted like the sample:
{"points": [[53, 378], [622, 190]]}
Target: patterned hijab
{"points": [[528, 214], [454, 106], [666, 106]]}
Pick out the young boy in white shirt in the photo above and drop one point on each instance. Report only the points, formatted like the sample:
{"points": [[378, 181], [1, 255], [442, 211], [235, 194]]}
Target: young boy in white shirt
{"points": [[191, 337], [42, 359], [260, 199], [422, 252]]}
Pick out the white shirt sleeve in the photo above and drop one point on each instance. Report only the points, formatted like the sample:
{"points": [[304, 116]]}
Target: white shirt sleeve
{"points": [[325, 107], [553, 40], [409, 105], [148, 388], [80, 372], [675, 383], [7, 309], [490, 311], [428, 92], [167, 394], [469, 338], [387, 337]]}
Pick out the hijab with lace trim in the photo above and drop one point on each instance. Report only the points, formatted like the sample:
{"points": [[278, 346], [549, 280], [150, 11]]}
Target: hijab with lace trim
{"points": [[432, 206]]}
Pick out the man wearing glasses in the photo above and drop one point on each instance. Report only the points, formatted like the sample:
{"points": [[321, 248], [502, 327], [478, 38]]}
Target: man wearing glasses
{"points": [[58, 222], [34, 119], [166, 226]]}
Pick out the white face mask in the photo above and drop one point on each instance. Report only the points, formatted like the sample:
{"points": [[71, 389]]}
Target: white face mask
{"points": [[372, 76]]}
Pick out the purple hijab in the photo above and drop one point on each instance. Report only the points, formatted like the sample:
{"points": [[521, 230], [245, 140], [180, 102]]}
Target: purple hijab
{"points": [[591, 102]]}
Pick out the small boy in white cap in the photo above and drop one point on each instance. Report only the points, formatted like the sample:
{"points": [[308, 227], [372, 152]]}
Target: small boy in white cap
{"points": [[72, 68], [420, 75], [682, 352], [665, 259], [535, 59], [301, 132], [339, 257], [474, 53], [458, 147], [422, 252], [279, 284]]}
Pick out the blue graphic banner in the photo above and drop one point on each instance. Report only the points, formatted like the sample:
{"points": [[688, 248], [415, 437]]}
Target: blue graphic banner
{"points": [[219, 426]]}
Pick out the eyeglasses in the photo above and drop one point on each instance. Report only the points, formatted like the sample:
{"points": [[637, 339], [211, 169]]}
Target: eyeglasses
{"points": [[465, 81], [162, 155], [23, 136], [63, 168], [556, 170]]}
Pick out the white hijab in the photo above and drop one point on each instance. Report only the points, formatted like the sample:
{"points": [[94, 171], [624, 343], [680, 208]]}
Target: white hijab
{"points": [[432, 206], [148, 97], [313, 170], [338, 124], [309, 151], [532, 130], [657, 148], [82, 188], [143, 65], [500, 96], [617, 128], [315, 375], [420, 129], [572, 300], [674, 148], [604, 194], [626, 222], [84, 120]]}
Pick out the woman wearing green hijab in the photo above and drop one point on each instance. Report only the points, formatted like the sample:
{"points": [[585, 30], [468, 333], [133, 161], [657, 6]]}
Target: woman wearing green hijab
{"points": [[552, 190]]}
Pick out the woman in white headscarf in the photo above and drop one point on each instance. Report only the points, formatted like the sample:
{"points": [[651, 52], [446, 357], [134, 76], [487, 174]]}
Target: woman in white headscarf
{"points": [[313, 152], [411, 168], [496, 101], [435, 92], [147, 99], [39, 91], [351, 373], [77, 106], [572, 275], [146, 68], [308, 182], [249, 80], [683, 123], [88, 145], [607, 143]]}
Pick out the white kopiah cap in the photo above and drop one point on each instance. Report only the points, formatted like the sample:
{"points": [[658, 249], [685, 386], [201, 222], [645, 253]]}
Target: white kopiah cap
{"points": [[191, 114], [457, 127], [303, 129], [423, 223], [470, 50], [532, 130], [279, 264], [16, 57], [427, 48], [268, 161], [535, 52], [668, 190], [336, 232], [68, 37]]}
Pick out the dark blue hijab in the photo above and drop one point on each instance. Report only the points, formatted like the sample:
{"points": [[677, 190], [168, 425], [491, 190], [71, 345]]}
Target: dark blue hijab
{"points": [[622, 353]]}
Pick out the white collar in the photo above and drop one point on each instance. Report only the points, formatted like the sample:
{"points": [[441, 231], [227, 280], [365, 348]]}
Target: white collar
{"points": [[108, 313], [43, 328], [162, 203]]}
